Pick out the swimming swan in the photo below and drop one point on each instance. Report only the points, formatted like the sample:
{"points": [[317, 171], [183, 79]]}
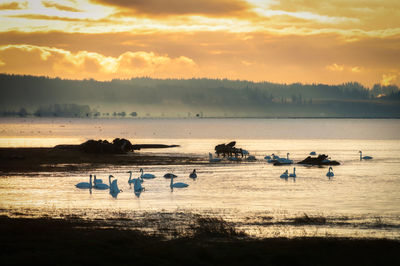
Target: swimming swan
{"points": [[193, 174], [114, 190], [137, 187], [364, 157], [101, 186], [85, 185], [285, 174], [177, 185], [285, 160], [213, 160], [294, 173], [132, 181], [97, 181], [330, 174], [146, 176]]}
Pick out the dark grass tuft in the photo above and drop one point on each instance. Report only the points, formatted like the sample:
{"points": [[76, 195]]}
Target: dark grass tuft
{"points": [[214, 227], [305, 219]]}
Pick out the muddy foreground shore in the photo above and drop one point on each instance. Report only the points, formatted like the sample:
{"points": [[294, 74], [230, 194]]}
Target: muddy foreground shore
{"points": [[46, 241]]}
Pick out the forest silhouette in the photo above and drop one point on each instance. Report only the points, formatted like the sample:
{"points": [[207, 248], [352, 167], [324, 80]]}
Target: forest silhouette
{"points": [[43, 96]]}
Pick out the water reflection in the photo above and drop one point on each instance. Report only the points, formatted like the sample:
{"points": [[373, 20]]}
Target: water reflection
{"points": [[234, 191]]}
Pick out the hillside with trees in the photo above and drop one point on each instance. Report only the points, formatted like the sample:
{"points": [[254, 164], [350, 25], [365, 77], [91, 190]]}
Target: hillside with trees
{"points": [[147, 97]]}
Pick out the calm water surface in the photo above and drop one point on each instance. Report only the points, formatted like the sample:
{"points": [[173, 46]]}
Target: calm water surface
{"points": [[362, 200]]}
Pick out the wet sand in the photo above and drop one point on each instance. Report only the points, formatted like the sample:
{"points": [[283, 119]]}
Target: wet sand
{"points": [[73, 241], [52, 159]]}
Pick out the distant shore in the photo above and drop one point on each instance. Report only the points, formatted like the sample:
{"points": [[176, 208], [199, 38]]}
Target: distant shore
{"points": [[51, 159], [73, 241]]}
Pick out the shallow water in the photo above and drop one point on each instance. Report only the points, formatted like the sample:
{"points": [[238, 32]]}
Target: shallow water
{"points": [[361, 200]]}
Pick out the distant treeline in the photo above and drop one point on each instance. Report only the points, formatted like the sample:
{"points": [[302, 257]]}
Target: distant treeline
{"points": [[232, 96]]}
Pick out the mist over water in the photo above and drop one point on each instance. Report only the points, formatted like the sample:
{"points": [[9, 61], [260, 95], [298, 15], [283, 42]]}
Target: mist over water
{"points": [[360, 194]]}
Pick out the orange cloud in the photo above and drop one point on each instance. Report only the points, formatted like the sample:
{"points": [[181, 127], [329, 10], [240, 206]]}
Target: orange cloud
{"points": [[252, 56], [13, 6], [68, 19], [41, 60], [335, 67], [154, 8], [372, 14], [50, 4]]}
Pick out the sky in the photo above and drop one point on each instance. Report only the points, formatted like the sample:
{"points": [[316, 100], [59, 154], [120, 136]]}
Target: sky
{"points": [[282, 41]]}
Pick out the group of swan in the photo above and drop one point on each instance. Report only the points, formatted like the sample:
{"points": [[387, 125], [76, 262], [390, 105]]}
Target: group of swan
{"points": [[286, 174], [251, 158], [137, 182], [98, 184]]}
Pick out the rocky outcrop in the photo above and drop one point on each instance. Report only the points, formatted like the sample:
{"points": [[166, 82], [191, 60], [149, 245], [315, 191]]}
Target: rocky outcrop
{"points": [[118, 146], [322, 159]]}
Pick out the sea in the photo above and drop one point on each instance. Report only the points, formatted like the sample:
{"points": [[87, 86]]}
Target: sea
{"points": [[362, 200]]}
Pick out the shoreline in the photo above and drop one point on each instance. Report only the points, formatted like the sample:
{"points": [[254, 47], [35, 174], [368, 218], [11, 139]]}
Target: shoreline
{"points": [[53, 159], [53, 241]]}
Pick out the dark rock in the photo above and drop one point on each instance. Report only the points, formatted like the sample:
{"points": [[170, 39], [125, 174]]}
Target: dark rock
{"points": [[322, 159], [118, 146]]}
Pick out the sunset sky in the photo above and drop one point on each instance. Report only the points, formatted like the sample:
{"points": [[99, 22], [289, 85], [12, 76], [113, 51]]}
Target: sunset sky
{"points": [[284, 41]]}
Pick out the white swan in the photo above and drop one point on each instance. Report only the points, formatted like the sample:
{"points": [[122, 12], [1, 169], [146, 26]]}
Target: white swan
{"points": [[294, 173], [213, 160], [193, 174], [285, 174], [330, 174], [285, 160], [364, 157], [146, 176], [137, 187], [132, 181], [85, 185], [114, 190], [97, 181], [273, 158], [173, 185], [101, 186], [169, 175]]}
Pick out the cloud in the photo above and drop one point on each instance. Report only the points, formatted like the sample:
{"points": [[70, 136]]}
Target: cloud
{"points": [[13, 5], [253, 56], [356, 69], [67, 19], [155, 8], [335, 67], [42, 60], [50, 4], [372, 14]]}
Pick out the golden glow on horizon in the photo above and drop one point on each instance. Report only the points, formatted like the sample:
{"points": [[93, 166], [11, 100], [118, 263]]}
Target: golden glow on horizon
{"points": [[280, 41]]}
